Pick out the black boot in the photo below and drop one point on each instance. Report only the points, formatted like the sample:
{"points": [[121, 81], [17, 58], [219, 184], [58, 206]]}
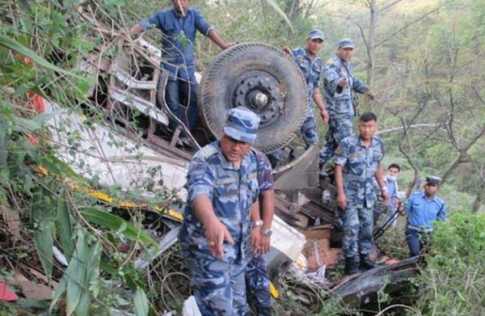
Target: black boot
{"points": [[366, 263], [351, 266]]}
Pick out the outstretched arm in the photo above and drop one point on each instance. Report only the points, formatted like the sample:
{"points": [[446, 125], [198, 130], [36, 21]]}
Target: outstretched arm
{"points": [[360, 87], [218, 40], [215, 232], [318, 99]]}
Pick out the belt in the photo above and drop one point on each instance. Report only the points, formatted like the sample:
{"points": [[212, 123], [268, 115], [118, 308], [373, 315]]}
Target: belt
{"points": [[420, 229]]}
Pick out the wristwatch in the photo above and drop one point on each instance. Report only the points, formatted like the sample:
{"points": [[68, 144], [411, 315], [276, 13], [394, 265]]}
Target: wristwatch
{"points": [[257, 223], [267, 232]]}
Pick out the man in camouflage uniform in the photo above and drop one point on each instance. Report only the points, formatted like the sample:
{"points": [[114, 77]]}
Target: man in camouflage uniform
{"points": [[358, 162], [223, 190], [339, 84], [311, 66], [257, 280]]}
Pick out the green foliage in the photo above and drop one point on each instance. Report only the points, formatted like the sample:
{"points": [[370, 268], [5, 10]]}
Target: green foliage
{"points": [[141, 303], [13, 44], [43, 216], [453, 281], [80, 280], [117, 224]]}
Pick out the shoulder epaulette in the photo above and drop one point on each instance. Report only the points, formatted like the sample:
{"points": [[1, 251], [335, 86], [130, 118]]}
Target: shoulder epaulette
{"points": [[207, 151]]}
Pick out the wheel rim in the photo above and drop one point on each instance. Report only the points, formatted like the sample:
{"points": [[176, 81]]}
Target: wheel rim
{"points": [[260, 92]]}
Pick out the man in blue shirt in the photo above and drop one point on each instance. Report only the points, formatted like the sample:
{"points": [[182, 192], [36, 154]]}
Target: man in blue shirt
{"points": [[423, 208], [179, 25]]}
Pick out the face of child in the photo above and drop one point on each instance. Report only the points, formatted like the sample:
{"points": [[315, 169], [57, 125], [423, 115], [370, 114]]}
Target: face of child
{"points": [[393, 172]]}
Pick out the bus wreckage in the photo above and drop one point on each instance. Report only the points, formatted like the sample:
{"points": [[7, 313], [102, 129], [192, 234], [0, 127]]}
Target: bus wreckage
{"points": [[130, 92]]}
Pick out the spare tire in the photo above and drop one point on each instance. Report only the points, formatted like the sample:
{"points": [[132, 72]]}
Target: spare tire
{"points": [[261, 78]]}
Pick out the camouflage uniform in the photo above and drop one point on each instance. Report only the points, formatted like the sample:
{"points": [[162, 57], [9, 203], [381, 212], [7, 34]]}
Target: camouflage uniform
{"points": [[339, 104], [359, 167], [311, 68], [257, 280], [219, 284]]}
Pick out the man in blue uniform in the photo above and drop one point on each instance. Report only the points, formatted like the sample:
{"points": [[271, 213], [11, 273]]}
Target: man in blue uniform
{"points": [[257, 280], [179, 26], [358, 163], [339, 85], [423, 208], [223, 191], [310, 64]]}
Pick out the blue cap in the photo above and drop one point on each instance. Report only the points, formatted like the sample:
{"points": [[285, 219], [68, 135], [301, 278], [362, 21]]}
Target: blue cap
{"points": [[346, 43], [242, 124], [316, 34], [433, 180]]}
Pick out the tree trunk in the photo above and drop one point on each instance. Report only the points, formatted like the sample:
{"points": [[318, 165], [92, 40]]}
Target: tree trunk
{"points": [[477, 203], [371, 40]]}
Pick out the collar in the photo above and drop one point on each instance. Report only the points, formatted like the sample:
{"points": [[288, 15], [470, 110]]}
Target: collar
{"points": [[372, 142], [178, 15], [340, 60], [425, 197], [307, 54], [226, 164]]}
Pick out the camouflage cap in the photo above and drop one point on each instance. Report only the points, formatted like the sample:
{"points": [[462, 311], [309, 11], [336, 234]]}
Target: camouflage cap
{"points": [[346, 43], [316, 34], [433, 180], [242, 124]]}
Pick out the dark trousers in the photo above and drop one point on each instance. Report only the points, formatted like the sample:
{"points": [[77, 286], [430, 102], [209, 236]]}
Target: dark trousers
{"points": [[257, 286], [181, 97], [417, 241]]}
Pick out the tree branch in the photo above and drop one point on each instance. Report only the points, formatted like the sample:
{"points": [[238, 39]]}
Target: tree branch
{"points": [[462, 156], [406, 26], [396, 129], [406, 155]]}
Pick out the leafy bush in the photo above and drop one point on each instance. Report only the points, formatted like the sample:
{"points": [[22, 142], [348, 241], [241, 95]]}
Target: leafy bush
{"points": [[453, 281]]}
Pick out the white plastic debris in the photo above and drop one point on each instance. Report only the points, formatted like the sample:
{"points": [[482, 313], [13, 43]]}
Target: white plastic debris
{"points": [[59, 256], [318, 276], [191, 308]]}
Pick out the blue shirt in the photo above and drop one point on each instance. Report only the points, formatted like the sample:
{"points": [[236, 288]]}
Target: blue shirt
{"points": [[178, 40], [232, 192], [392, 190], [360, 164], [422, 211], [311, 69], [339, 101]]}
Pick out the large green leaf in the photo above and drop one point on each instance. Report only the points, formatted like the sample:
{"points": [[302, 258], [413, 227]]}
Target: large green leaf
{"points": [[43, 242], [64, 227], [43, 219], [76, 274], [13, 44], [3, 144], [278, 10], [117, 224], [141, 303], [80, 276]]}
